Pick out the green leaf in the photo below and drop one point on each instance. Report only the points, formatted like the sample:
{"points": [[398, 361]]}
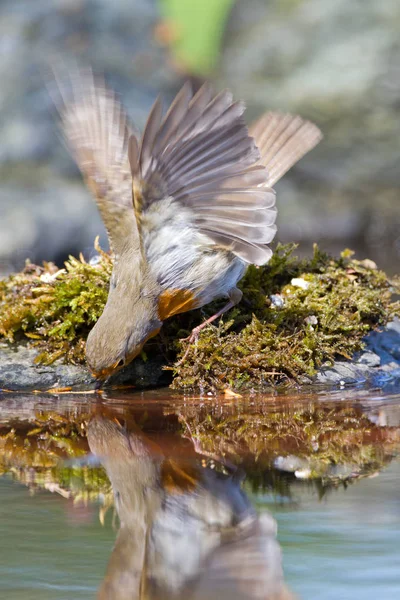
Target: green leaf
{"points": [[198, 27]]}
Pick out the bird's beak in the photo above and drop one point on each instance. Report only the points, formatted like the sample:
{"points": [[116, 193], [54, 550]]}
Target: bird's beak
{"points": [[104, 375], [99, 384]]}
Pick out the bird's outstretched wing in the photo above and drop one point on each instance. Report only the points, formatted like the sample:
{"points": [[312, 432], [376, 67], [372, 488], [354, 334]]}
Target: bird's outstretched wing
{"points": [[96, 130], [282, 139], [201, 155]]}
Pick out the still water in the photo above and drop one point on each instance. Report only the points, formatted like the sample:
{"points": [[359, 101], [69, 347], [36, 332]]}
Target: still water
{"points": [[158, 496]]}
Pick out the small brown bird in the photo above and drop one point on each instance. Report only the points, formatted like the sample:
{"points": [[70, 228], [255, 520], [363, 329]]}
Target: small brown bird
{"points": [[187, 207]]}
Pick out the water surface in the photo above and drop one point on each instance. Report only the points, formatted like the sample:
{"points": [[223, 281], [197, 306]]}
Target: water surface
{"points": [[159, 496]]}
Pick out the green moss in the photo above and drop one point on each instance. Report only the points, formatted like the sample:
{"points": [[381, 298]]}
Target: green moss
{"points": [[325, 315], [55, 309], [261, 343]]}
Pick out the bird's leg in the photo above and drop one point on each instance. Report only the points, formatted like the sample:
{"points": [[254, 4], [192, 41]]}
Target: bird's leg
{"points": [[235, 296]]}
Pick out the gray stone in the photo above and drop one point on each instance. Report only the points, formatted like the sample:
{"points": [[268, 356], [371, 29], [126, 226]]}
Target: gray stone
{"points": [[394, 325], [387, 346], [377, 366], [343, 373], [18, 371], [370, 359]]}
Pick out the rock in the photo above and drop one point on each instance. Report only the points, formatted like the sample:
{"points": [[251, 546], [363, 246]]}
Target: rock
{"points": [[386, 347], [18, 372], [370, 359], [378, 365], [343, 373]]}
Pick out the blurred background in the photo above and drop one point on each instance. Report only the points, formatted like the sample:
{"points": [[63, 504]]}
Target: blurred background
{"points": [[337, 63]]}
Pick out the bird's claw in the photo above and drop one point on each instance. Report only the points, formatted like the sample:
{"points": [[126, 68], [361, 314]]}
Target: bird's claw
{"points": [[191, 339]]}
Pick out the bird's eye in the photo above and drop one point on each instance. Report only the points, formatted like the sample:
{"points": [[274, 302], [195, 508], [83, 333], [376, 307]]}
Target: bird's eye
{"points": [[121, 363]]}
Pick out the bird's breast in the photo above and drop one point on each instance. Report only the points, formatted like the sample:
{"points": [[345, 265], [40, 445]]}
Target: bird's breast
{"points": [[174, 301]]}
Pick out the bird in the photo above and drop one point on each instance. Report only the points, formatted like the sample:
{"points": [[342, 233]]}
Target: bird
{"points": [[188, 205]]}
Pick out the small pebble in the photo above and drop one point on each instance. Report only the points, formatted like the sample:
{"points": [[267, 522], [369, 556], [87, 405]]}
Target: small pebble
{"points": [[303, 473], [95, 260], [277, 301], [49, 277], [311, 320], [300, 282]]}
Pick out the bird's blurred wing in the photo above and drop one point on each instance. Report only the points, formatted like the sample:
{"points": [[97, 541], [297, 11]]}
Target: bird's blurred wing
{"points": [[96, 130], [282, 139], [201, 156]]}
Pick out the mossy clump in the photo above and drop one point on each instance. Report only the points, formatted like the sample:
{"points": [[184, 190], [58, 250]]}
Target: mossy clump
{"points": [[295, 316], [55, 308]]}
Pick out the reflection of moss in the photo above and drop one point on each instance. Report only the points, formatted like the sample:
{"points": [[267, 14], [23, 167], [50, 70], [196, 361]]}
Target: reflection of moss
{"points": [[81, 483], [42, 443], [34, 453], [328, 442], [331, 443], [323, 315]]}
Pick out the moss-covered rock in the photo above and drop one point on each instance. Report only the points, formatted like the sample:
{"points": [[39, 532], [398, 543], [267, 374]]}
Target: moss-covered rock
{"points": [[295, 316], [55, 308]]}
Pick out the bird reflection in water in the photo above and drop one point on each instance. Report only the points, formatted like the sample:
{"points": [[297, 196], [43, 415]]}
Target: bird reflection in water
{"points": [[187, 530]]}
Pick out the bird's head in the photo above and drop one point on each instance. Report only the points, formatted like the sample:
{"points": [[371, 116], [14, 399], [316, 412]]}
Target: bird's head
{"points": [[118, 337]]}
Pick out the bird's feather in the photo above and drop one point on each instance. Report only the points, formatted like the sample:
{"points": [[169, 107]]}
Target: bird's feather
{"points": [[201, 155], [97, 132], [283, 139]]}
